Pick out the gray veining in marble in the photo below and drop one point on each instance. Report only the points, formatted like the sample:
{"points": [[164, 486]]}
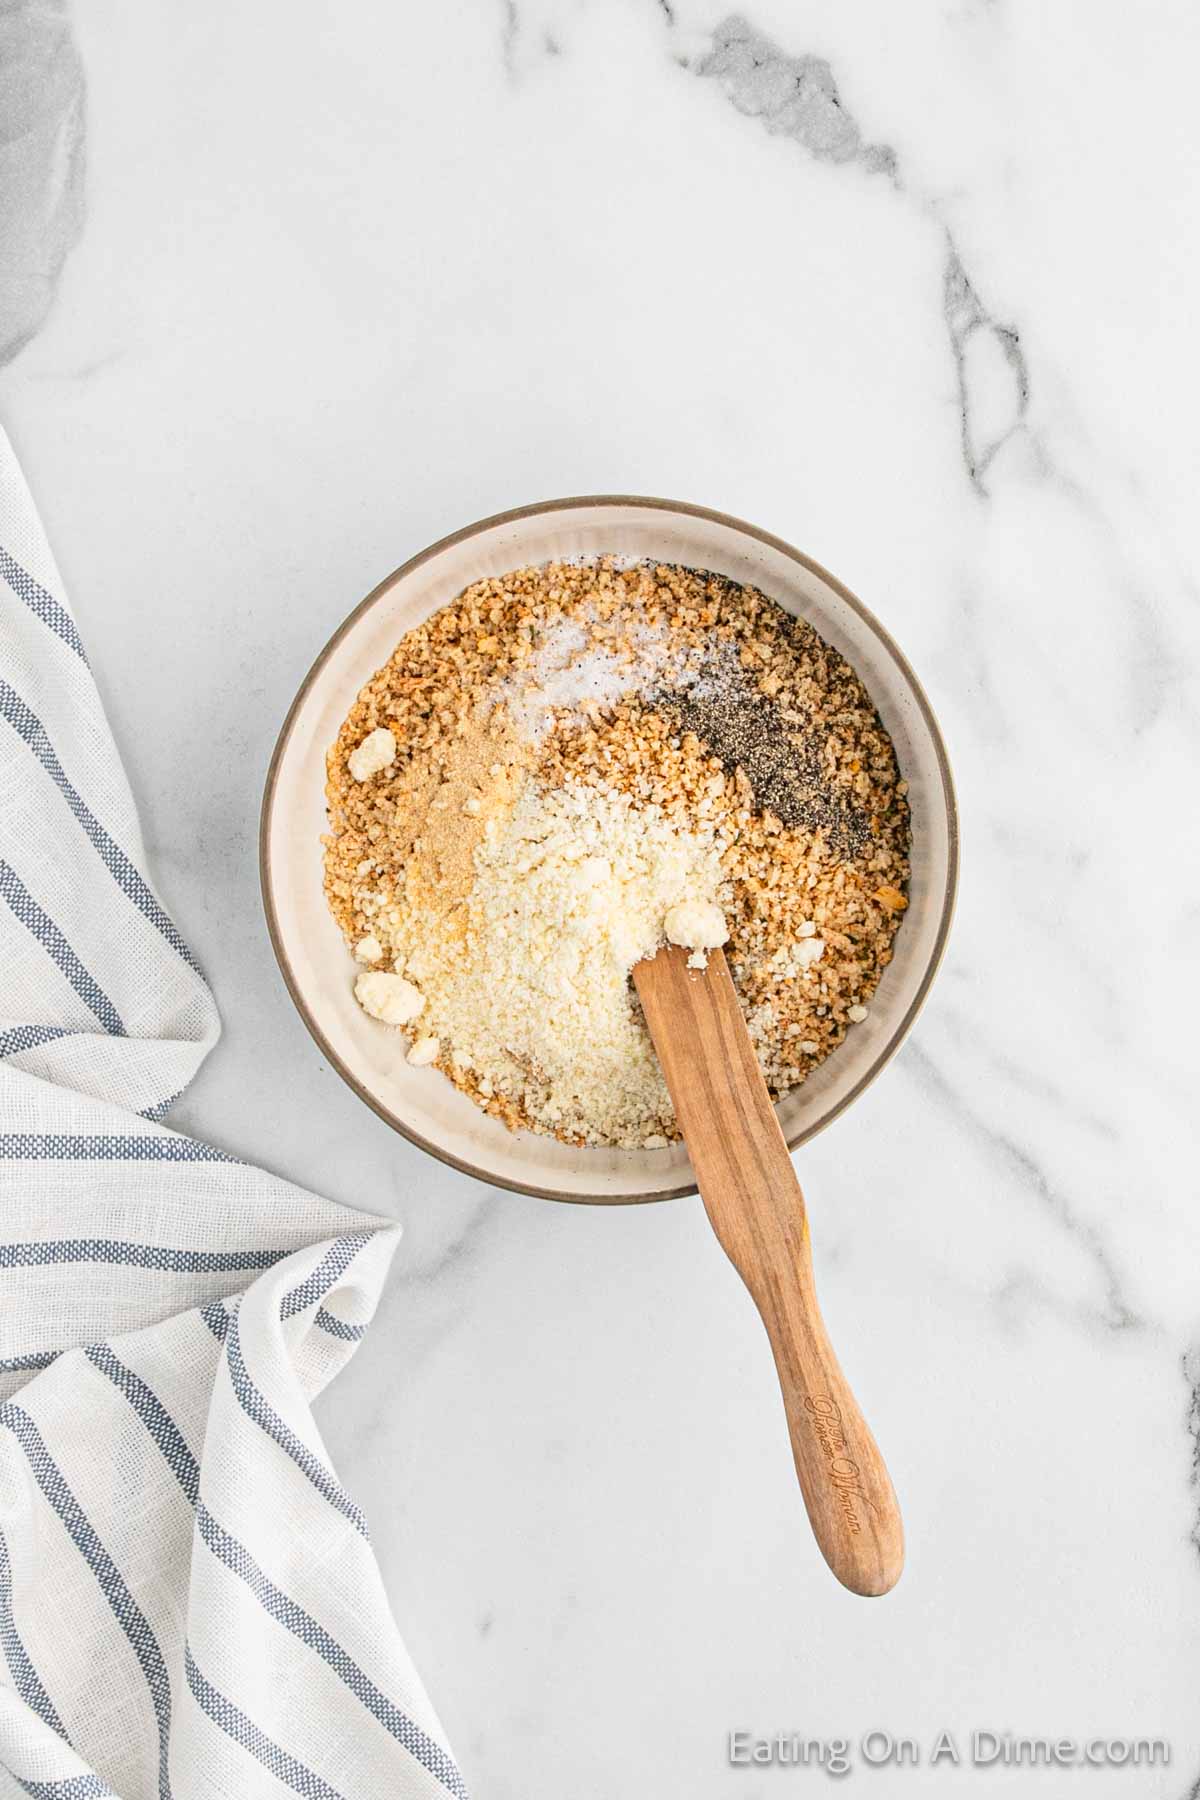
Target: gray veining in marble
{"points": [[510, 25], [973, 331], [42, 115], [796, 96], [1026, 1173], [1191, 1375]]}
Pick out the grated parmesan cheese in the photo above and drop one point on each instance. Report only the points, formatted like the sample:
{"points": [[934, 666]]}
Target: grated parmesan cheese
{"points": [[568, 895]]}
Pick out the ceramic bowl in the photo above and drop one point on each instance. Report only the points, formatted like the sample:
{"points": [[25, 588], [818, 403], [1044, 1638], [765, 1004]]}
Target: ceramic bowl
{"points": [[421, 1103]]}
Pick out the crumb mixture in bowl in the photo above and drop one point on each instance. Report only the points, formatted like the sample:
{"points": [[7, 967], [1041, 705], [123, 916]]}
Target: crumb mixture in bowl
{"points": [[573, 763]]}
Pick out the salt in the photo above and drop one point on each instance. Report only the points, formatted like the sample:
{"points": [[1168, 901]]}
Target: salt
{"points": [[573, 671]]}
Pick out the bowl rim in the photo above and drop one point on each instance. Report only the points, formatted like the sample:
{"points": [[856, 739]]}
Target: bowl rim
{"points": [[568, 504]]}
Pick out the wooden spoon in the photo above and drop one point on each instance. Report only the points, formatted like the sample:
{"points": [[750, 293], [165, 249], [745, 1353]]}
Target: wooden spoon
{"points": [[756, 1208]]}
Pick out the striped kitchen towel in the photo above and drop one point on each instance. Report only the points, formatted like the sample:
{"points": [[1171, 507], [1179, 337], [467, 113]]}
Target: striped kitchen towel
{"points": [[189, 1602]]}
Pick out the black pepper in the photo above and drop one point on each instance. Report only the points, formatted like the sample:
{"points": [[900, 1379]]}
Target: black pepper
{"points": [[786, 768]]}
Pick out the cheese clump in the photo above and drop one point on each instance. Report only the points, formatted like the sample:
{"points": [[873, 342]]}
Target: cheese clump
{"points": [[699, 926], [377, 751], [389, 998]]}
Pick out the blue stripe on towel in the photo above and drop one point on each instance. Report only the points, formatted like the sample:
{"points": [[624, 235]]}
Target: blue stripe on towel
{"points": [[303, 1626], [285, 1611], [244, 1731], [127, 877], [135, 1256], [216, 1318], [158, 1112], [125, 1608], [75, 1787], [42, 927], [59, 1146], [154, 1416], [25, 1678], [47, 608], [335, 1262], [29, 1037], [256, 1407], [339, 1328], [35, 1359]]}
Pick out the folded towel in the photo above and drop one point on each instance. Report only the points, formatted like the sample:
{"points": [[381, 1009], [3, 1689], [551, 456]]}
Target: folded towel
{"points": [[189, 1602]]}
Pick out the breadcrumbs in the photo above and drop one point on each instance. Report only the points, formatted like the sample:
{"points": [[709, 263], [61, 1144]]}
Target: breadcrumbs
{"points": [[679, 741]]}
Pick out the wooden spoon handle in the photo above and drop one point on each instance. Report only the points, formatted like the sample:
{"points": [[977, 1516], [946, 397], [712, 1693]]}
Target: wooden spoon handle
{"points": [[756, 1208]]}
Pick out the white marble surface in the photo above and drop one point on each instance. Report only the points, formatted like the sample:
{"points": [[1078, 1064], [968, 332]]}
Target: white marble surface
{"points": [[351, 276]]}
